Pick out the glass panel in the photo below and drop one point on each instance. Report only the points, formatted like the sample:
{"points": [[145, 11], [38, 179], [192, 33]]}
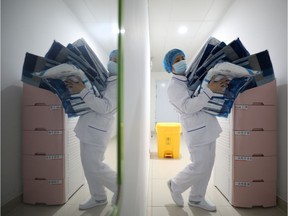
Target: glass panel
{"points": [[102, 20], [84, 76]]}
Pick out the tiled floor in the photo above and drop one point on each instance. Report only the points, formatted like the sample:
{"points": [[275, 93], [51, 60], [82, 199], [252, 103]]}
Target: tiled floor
{"points": [[71, 207], [160, 202]]}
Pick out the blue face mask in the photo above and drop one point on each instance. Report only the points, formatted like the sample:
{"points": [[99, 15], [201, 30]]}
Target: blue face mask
{"points": [[180, 67], [112, 68]]}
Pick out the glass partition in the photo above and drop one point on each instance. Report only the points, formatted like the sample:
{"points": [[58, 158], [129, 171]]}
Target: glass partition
{"points": [[102, 20], [84, 76]]}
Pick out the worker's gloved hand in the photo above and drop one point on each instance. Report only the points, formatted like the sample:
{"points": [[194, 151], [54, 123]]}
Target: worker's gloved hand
{"points": [[75, 85], [218, 86]]}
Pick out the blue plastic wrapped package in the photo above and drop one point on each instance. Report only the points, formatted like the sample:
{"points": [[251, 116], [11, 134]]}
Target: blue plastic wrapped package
{"points": [[206, 51], [231, 52], [62, 54], [258, 62], [63, 72], [90, 57], [54, 79], [221, 104], [214, 53], [34, 63], [61, 63]]}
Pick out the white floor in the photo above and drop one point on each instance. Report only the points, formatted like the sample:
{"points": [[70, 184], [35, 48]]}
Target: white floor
{"points": [[71, 207], [160, 202]]}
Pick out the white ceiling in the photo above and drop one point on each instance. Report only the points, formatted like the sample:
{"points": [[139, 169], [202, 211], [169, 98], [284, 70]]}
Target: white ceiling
{"points": [[200, 17], [166, 16], [99, 18]]}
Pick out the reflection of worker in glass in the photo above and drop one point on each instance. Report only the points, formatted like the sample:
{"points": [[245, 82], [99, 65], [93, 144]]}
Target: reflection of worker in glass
{"points": [[94, 130], [200, 131]]}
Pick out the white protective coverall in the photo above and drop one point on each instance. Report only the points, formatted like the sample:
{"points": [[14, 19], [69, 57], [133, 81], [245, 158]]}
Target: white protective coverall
{"points": [[94, 130], [200, 131]]}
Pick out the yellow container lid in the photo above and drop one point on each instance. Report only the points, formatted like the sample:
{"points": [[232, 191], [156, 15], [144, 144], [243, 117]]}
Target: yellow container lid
{"points": [[168, 126]]}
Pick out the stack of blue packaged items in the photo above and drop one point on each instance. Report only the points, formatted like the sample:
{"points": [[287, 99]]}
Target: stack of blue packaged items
{"points": [[75, 61], [244, 71]]}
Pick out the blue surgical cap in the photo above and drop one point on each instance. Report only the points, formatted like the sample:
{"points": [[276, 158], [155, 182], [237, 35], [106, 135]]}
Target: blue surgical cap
{"points": [[114, 54], [170, 57]]}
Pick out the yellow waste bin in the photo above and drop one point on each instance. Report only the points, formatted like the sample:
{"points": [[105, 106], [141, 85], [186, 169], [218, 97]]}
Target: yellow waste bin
{"points": [[168, 138]]}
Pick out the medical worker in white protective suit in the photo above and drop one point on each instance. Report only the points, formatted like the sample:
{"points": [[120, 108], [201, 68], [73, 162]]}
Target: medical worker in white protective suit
{"points": [[200, 131], [94, 130]]}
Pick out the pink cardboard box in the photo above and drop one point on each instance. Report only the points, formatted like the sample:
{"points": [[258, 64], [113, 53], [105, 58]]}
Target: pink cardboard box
{"points": [[33, 96], [257, 118], [43, 118], [262, 95], [254, 143], [254, 169], [43, 167], [43, 142], [49, 192], [252, 194]]}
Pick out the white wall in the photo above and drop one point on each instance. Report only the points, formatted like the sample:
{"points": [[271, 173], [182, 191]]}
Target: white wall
{"points": [[155, 76], [27, 26], [261, 25], [136, 108]]}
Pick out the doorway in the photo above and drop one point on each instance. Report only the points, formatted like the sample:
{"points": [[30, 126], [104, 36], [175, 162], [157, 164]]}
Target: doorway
{"points": [[164, 111]]}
